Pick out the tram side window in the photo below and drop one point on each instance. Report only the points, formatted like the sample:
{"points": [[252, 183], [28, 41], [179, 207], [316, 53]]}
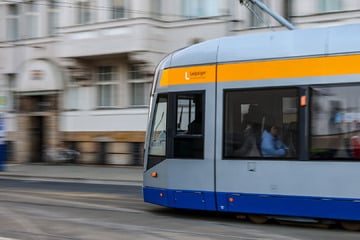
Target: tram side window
{"points": [[189, 137], [157, 146], [260, 124], [335, 123]]}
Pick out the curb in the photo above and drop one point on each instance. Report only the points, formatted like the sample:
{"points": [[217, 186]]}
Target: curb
{"points": [[71, 180]]}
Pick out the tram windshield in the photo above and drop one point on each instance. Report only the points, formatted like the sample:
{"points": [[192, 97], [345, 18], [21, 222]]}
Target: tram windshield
{"points": [[158, 132]]}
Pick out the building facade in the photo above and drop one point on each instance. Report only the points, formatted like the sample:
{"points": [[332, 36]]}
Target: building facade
{"points": [[80, 72]]}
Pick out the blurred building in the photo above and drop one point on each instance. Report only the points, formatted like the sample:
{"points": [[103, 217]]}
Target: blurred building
{"points": [[80, 72]]}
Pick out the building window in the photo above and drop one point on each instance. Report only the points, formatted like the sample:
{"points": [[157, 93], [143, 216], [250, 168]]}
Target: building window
{"points": [[329, 5], [106, 87], [137, 93], [32, 19], [140, 86], [260, 124], [11, 103], [53, 17], [7, 93], [72, 99], [156, 9], [200, 8], [84, 11], [335, 123], [118, 9], [12, 22]]}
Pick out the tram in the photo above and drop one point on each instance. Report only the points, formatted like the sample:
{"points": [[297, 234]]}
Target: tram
{"points": [[212, 102]]}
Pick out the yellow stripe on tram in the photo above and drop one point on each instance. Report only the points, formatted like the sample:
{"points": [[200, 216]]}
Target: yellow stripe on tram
{"points": [[290, 68], [272, 69]]}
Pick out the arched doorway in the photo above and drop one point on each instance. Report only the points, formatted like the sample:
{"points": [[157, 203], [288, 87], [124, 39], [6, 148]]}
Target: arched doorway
{"points": [[38, 89]]}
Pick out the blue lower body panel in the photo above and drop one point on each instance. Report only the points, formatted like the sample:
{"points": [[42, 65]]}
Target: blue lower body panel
{"points": [[199, 200], [297, 206], [277, 205]]}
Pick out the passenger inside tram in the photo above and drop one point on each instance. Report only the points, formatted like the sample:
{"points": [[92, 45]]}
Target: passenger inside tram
{"points": [[251, 133], [271, 144]]}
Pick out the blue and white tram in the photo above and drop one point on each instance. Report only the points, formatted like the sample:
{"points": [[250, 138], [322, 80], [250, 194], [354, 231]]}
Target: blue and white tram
{"points": [[199, 153]]}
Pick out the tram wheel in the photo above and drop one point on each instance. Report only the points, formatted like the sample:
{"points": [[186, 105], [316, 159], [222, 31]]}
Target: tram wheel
{"points": [[258, 219], [350, 225]]}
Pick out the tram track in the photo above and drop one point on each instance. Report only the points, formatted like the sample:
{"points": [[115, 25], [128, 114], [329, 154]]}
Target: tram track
{"points": [[48, 201], [42, 207], [87, 212]]}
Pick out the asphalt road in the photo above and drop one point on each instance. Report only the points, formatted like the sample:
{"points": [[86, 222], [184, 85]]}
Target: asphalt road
{"points": [[42, 210]]}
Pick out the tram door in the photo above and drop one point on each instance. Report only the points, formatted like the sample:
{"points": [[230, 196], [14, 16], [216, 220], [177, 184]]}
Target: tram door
{"points": [[183, 134]]}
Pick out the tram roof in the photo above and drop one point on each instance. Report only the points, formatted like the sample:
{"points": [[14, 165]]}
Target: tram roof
{"points": [[271, 45]]}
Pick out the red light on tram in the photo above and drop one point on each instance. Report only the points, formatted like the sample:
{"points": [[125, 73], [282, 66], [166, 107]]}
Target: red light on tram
{"points": [[154, 174], [303, 101], [161, 194], [231, 199]]}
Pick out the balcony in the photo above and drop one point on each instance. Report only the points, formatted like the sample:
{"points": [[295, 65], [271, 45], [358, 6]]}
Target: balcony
{"points": [[135, 35], [117, 37]]}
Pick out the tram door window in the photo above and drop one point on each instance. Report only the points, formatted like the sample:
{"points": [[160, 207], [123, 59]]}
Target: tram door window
{"points": [[335, 122], [157, 146], [189, 133], [249, 116]]}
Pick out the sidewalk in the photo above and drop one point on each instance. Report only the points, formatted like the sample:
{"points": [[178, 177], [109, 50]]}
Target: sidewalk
{"points": [[106, 174]]}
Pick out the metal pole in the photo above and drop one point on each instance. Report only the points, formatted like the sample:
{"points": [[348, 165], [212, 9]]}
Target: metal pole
{"points": [[276, 16]]}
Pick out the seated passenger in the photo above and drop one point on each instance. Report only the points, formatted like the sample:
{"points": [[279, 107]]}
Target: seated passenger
{"points": [[251, 133], [195, 127], [271, 144], [249, 145]]}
